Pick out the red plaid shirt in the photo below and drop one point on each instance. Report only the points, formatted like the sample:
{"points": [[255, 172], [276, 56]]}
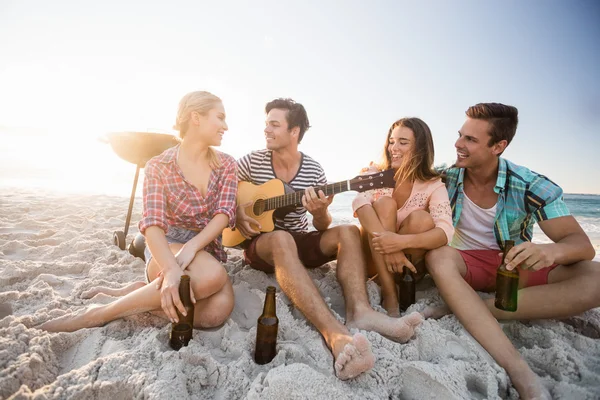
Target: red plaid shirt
{"points": [[170, 200]]}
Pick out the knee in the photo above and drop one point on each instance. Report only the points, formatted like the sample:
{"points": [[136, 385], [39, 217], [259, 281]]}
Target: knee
{"points": [[417, 222], [281, 241], [385, 205], [349, 234], [221, 308], [435, 261], [214, 277]]}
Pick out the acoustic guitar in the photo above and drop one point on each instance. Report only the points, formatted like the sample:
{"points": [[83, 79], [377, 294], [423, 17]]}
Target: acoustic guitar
{"points": [[276, 195]]}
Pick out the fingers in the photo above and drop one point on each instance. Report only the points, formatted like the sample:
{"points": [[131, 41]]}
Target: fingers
{"points": [[410, 266], [166, 303], [192, 296], [516, 256], [177, 302]]}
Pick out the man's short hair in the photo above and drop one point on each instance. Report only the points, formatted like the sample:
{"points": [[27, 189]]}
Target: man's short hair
{"points": [[503, 120], [295, 116]]}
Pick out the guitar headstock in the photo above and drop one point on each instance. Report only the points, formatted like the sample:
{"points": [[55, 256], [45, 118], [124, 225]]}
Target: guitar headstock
{"points": [[383, 179]]}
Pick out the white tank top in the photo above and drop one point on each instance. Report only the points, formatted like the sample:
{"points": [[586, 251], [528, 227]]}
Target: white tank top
{"points": [[475, 228]]}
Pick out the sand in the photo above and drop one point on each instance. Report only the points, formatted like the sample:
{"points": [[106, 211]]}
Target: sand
{"points": [[54, 247]]}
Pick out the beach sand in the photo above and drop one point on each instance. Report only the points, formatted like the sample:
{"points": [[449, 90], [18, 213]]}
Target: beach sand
{"points": [[53, 247]]}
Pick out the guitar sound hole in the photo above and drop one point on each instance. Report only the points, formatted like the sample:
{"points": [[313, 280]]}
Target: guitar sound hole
{"points": [[259, 207]]}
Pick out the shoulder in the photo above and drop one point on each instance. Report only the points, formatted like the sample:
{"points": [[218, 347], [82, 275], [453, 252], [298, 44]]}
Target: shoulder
{"points": [[529, 178], [157, 165], [225, 158], [256, 156], [430, 185], [310, 163]]}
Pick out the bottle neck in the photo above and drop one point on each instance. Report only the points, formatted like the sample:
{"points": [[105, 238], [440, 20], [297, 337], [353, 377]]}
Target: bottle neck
{"points": [[269, 308], [508, 245], [184, 290]]}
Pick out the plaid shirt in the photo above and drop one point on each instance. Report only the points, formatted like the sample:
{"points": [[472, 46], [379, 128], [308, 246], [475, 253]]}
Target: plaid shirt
{"points": [[523, 198], [170, 200]]}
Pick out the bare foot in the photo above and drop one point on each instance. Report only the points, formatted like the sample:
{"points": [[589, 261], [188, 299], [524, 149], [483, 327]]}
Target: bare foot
{"points": [[435, 312], [88, 294], [397, 329], [73, 322], [528, 383], [354, 357]]}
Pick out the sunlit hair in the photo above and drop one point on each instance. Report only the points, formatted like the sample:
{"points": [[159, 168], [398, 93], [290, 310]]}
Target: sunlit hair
{"points": [[200, 102], [419, 164], [295, 116], [503, 120]]}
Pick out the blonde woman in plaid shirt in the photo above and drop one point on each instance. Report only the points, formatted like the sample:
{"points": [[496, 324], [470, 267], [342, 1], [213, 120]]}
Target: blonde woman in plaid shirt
{"points": [[189, 198]]}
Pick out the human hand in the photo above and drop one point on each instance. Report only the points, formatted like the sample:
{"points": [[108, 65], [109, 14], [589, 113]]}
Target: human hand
{"points": [[168, 284], [387, 242], [184, 256], [530, 256], [396, 262], [316, 203], [247, 226]]}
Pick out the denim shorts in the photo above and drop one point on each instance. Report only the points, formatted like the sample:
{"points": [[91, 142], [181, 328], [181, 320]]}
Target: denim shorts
{"points": [[174, 235]]}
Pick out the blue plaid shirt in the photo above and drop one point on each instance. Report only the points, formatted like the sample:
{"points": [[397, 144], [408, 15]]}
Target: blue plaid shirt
{"points": [[524, 197]]}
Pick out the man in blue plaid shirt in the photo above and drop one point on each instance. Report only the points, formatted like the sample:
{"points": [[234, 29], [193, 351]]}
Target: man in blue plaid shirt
{"points": [[494, 200]]}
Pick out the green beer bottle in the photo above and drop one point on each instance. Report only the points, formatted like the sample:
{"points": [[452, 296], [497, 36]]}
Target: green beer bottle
{"points": [[507, 283]]}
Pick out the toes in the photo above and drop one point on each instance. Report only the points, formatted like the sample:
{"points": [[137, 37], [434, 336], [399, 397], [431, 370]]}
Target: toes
{"points": [[361, 343], [414, 319]]}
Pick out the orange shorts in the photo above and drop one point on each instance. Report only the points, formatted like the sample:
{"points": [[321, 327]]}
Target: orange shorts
{"points": [[482, 266]]}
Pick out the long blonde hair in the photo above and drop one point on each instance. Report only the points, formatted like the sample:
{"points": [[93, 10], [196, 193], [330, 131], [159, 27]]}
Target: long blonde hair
{"points": [[201, 102], [420, 164]]}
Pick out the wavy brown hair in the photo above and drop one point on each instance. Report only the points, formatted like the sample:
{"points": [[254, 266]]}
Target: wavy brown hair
{"points": [[420, 163], [503, 120]]}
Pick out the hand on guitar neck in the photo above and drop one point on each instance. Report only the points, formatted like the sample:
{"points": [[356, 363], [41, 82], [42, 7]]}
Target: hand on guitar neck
{"points": [[257, 203]]}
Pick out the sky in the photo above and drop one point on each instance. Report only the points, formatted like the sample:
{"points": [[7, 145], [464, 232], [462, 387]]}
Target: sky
{"points": [[78, 69]]}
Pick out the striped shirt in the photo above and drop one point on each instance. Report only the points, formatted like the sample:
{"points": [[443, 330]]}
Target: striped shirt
{"points": [[257, 168], [524, 197]]}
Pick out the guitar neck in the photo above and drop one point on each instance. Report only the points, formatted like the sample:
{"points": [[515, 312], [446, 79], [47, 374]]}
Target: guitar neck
{"points": [[295, 199]]}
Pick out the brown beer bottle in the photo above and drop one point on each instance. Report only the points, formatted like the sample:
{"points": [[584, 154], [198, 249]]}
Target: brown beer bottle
{"points": [[266, 330], [507, 283], [181, 332], [406, 288]]}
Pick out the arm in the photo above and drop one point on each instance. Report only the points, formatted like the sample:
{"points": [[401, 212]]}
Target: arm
{"points": [[153, 226], [317, 204], [571, 245], [544, 201], [243, 223]]}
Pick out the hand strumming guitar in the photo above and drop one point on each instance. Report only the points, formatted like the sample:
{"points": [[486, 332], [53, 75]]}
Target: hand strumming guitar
{"points": [[247, 226]]}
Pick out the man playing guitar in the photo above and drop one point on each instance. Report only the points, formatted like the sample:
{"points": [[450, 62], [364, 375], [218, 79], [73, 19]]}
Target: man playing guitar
{"points": [[290, 248]]}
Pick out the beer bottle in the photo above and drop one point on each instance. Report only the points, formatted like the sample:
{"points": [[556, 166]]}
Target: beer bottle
{"points": [[507, 283], [406, 288], [181, 332], [266, 330]]}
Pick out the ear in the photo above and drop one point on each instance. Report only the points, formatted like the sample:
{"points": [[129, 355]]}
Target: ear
{"points": [[499, 147], [295, 132], [195, 117]]}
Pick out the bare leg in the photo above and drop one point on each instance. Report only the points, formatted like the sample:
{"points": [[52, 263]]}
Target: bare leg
{"points": [[378, 218], [208, 278], [345, 240], [447, 268], [352, 354], [88, 294]]}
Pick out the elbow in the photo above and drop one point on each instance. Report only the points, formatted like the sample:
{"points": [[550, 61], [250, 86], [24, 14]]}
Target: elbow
{"points": [[589, 252]]}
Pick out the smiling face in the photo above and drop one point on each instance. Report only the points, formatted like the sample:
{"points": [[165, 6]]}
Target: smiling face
{"points": [[472, 145], [277, 133], [211, 126], [400, 145]]}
